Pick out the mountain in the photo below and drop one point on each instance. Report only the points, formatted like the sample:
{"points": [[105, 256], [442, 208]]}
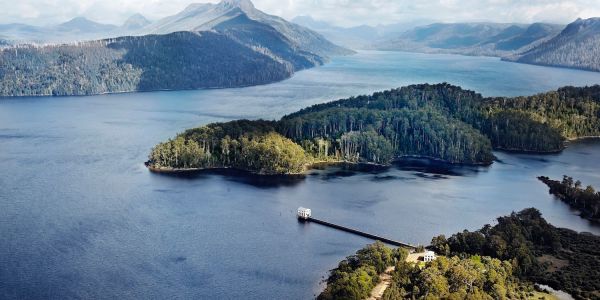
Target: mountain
{"points": [[241, 16], [239, 46], [135, 22], [357, 37], [577, 46], [491, 39], [83, 25]]}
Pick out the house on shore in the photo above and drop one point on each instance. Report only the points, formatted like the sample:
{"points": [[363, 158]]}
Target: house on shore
{"points": [[429, 256]]}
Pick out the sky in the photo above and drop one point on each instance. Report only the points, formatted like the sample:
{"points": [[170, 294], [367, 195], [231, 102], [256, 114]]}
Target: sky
{"points": [[339, 12]]}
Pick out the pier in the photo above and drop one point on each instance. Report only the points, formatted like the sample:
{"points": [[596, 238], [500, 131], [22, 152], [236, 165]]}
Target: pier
{"points": [[305, 215]]}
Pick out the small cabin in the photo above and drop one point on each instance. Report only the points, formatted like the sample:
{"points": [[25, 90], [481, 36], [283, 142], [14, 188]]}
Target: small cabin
{"points": [[304, 213], [429, 256]]}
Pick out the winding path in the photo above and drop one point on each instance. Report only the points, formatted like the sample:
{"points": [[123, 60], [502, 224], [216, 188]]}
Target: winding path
{"points": [[384, 283]]}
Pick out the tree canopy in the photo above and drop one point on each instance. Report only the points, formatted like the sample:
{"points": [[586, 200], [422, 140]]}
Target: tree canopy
{"points": [[441, 122]]}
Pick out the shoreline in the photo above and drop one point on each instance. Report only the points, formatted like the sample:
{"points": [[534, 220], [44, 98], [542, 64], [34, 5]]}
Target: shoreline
{"points": [[312, 166], [564, 199], [583, 138]]}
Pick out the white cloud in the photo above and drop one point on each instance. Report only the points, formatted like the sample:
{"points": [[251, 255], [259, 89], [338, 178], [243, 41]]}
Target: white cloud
{"points": [[341, 12]]}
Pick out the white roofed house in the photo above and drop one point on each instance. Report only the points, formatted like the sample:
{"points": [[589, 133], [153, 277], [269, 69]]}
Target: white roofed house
{"points": [[429, 256]]}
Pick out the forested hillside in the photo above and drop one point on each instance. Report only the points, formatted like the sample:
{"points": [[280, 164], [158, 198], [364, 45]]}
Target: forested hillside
{"points": [[442, 122], [537, 251], [577, 46], [499, 262], [574, 112], [181, 60]]}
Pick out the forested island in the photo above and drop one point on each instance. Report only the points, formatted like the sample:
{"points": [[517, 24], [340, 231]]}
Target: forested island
{"points": [[496, 262], [441, 122], [586, 200]]}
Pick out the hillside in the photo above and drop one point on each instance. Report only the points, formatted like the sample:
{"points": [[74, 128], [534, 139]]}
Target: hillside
{"points": [[441, 122], [181, 60], [490, 39], [229, 44], [577, 46]]}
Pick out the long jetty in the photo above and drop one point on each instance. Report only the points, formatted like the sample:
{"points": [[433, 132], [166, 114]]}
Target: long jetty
{"points": [[306, 217], [361, 233]]}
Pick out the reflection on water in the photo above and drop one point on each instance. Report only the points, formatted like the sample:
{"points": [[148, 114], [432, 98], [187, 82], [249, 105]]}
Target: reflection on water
{"points": [[81, 217]]}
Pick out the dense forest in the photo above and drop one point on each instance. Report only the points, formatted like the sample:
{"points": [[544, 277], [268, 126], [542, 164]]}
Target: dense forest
{"points": [[499, 262], [441, 121], [355, 276], [456, 277], [537, 251], [247, 145], [586, 200], [180, 60]]}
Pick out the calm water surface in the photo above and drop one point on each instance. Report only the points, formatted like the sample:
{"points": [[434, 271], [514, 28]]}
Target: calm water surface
{"points": [[80, 216]]}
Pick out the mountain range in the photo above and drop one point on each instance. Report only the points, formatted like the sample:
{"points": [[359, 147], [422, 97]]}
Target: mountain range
{"points": [[228, 15], [357, 37], [229, 44], [576, 45], [76, 29], [490, 39]]}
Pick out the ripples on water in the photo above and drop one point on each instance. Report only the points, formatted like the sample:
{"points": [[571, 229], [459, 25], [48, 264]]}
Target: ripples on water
{"points": [[81, 217]]}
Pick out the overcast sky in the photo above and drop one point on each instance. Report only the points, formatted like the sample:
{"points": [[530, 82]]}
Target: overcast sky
{"points": [[340, 12]]}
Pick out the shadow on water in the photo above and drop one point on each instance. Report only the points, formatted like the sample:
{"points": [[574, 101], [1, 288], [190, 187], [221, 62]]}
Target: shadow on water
{"points": [[433, 169], [239, 176], [424, 168], [330, 171]]}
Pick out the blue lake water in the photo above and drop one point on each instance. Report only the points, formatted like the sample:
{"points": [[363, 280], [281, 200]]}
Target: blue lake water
{"points": [[80, 216]]}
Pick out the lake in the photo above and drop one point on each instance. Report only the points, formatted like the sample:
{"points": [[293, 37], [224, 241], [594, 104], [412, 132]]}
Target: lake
{"points": [[81, 217]]}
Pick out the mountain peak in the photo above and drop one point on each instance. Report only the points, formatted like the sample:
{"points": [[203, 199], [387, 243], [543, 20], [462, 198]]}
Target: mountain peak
{"points": [[136, 21], [242, 4], [78, 20], [83, 24]]}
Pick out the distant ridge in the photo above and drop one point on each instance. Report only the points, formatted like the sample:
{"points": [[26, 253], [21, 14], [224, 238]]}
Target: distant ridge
{"points": [[577, 46], [487, 39]]}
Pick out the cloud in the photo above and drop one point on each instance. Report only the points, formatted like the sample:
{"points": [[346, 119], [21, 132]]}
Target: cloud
{"points": [[341, 12]]}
